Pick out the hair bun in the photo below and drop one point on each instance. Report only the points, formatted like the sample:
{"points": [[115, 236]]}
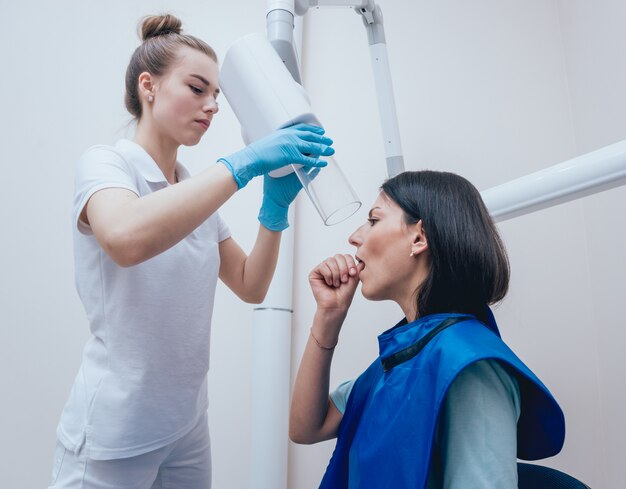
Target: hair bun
{"points": [[159, 25]]}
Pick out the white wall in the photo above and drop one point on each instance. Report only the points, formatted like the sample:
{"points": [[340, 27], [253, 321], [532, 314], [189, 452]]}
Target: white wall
{"points": [[491, 89], [595, 51]]}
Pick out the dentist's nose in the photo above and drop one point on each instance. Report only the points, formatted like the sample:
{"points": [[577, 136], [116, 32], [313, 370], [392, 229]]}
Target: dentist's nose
{"points": [[211, 105]]}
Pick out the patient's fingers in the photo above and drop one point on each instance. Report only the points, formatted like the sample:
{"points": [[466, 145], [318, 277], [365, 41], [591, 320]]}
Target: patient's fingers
{"points": [[344, 267], [353, 267], [338, 269], [335, 268]]}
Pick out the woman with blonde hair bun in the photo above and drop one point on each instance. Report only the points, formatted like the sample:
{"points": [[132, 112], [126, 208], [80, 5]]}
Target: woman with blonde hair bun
{"points": [[149, 246]]}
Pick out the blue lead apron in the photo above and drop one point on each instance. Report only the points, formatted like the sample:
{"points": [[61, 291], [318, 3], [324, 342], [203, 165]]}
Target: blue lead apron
{"points": [[386, 435]]}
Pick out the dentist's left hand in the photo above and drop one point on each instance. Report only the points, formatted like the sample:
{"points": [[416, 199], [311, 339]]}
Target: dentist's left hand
{"points": [[278, 194], [297, 144]]}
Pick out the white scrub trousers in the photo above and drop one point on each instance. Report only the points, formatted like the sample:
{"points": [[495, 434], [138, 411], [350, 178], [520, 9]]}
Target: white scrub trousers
{"points": [[184, 464]]}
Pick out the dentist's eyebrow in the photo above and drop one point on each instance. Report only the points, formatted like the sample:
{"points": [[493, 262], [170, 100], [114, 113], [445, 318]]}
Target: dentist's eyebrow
{"points": [[205, 81]]}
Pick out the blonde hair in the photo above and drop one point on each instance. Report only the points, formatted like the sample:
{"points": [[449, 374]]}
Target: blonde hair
{"points": [[162, 38]]}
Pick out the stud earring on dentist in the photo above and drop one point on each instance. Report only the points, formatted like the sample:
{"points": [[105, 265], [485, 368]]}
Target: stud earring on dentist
{"points": [[150, 98]]}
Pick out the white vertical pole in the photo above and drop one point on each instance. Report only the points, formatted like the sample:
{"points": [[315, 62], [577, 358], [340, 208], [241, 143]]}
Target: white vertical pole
{"points": [[271, 376], [271, 355]]}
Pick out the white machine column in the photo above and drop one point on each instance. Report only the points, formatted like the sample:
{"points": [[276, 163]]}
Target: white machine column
{"points": [[272, 320], [271, 375]]}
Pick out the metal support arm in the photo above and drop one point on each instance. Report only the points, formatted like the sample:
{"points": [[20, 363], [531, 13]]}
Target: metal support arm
{"points": [[584, 175], [280, 17]]}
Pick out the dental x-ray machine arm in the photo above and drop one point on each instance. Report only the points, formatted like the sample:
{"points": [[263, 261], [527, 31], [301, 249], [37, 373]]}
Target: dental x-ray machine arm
{"points": [[280, 25]]}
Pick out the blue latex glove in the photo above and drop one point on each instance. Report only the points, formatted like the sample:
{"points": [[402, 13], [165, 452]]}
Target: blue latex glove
{"points": [[278, 194], [297, 144]]}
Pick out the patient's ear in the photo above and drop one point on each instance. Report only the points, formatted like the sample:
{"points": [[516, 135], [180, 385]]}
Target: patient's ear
{"points": [[419, 241]]}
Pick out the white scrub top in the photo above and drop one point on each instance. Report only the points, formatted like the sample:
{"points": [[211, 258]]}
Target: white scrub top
{"points": [[143, 379]]}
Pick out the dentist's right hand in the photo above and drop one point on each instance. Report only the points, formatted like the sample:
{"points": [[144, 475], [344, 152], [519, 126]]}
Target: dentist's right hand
{"points": [[297, 144]]}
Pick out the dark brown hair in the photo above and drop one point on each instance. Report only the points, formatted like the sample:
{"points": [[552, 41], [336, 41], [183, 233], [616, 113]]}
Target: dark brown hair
{"points": [[469, 266], [162, 38]]}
